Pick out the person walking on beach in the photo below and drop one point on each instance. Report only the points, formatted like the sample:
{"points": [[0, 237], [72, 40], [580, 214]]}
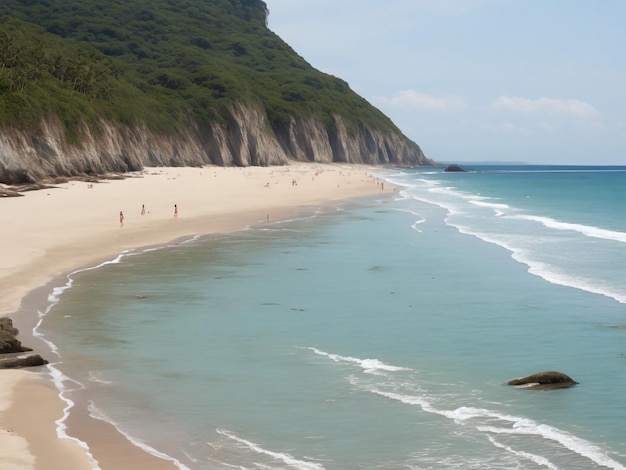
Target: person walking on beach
{"points": [[121, 219], [175, 210], [143, 209]]}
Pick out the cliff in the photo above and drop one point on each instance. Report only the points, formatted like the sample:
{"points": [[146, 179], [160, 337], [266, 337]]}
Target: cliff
{"points": [[244, 138], [91, 88]]}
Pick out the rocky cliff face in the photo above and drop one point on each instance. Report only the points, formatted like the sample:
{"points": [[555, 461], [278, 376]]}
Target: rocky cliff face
{"points": [[245, 138]]}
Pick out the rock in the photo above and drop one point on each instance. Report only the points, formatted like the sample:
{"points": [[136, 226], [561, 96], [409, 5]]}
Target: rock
{"points": [[617, 327], [6, 192], [9, 343], [22, 188], [14, 361], [11, 349], [454, 168], [549, 380], [6, 324]]}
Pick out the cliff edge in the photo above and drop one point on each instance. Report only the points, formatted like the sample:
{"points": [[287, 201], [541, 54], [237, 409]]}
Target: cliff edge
{"points": [[245, 138]]}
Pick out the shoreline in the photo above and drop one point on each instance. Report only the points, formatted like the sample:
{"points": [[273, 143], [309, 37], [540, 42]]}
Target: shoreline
{"points": [[80, 230]]}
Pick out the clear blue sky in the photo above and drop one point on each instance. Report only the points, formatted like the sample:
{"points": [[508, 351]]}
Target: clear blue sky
{"points": [[538, 81]]}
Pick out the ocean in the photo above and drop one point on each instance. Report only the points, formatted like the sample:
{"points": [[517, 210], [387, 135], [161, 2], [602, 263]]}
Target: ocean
{"points": [[378, 333]]}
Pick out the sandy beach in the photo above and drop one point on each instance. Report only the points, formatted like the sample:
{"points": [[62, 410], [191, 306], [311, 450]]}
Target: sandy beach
{"points": [[54, 231]]}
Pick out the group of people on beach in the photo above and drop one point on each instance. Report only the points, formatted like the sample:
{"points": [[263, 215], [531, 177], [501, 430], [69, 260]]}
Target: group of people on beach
{"points": [[143, 212]]}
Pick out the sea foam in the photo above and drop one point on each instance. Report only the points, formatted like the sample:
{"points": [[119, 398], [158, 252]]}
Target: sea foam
{"points": [[589, 231], [280, 456], [369, 366], [483, 420], [464, 214]]}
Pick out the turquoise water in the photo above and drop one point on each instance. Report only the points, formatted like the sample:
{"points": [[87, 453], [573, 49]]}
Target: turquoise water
{"points": [[375, 334]]}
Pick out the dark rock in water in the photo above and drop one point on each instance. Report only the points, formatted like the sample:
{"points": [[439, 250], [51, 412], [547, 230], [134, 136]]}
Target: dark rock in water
{"points": [[454, 168], [14, 361], [11, 349], [550, 380], [617, 327]]}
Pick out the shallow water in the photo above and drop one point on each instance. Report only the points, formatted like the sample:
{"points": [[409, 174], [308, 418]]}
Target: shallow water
{"points": [[376, 334]]}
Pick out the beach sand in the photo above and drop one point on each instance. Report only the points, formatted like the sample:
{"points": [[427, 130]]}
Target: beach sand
{"points": [[51, 232]]}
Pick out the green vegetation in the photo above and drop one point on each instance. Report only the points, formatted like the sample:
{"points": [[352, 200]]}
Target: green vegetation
{"points": [[162, 63]]}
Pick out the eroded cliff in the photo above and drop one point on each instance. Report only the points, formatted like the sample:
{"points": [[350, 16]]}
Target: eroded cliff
{"points": [[243, 138]]}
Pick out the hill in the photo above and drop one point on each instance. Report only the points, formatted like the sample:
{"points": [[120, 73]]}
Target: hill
{"points": [[162, 82]]}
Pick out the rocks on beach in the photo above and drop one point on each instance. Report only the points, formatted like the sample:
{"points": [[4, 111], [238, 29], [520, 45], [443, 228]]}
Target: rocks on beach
{"points": [[12, 353], [550, 380]]}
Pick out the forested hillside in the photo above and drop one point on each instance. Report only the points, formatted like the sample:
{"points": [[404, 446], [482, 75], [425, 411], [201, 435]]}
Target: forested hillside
{"points": [[158, 60], [111, 85]]}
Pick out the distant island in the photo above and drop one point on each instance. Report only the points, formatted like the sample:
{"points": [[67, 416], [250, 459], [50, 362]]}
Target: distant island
{"points": [[454, 168]]}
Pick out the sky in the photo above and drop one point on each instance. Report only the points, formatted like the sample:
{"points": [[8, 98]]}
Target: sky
{"points": [[534, 81]]}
